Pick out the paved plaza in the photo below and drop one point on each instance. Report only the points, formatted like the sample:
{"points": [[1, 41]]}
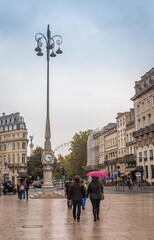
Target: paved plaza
{"points": [[123, 216]]}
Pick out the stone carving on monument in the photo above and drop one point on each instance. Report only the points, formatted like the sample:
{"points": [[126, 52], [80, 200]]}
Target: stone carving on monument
{"points": [[31, 144]]}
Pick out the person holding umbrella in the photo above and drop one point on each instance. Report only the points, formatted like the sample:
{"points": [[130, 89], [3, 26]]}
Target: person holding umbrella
{"points": [[95, 190]]}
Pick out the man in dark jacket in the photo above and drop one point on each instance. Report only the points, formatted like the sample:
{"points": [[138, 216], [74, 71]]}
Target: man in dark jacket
{"points": [[95, 189], [67, 189], [77, 194]]}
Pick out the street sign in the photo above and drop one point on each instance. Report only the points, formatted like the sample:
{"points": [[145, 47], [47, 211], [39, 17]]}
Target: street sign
{"points": [[138, 174]]}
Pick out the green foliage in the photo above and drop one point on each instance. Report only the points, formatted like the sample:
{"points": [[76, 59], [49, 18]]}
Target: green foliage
{"points": [[74, 162], [35, 165]]}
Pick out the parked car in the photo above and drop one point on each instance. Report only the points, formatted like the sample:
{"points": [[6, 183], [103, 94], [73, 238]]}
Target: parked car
{"points": [[37, 184]]}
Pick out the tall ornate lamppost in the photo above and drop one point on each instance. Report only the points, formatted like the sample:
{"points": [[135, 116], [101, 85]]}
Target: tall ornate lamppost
{"points": [[48, 154]]}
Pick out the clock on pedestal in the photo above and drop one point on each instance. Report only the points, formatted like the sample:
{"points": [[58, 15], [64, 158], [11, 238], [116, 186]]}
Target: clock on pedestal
{"points": [[47, 161]]}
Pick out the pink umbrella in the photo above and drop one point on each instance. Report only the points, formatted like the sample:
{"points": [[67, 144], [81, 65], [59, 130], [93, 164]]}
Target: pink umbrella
{"points": [[97, 174]]}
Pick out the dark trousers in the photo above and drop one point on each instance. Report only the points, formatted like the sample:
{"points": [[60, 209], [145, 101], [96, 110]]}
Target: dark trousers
{"points": [[27, 194], [95, 205], [77, 206]]}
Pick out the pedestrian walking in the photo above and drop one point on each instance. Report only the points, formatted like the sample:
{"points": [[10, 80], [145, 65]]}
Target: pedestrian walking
{"points": [[22, 188], [95, 189], [77, 194], [18, 189], [67, 189], [27, 188], [84, 201]]}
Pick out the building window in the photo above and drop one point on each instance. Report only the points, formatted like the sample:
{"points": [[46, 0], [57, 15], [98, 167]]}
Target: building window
{"points": [[13, 145], [149, 119], [9, 146], [139, 124], [145, 156], [23, 158], [142, 106], [153, 100], [18, 136], [1, 129], [0, 147], [18, 145], [12, 120], [4, 147], [14, 127], [146, 171], [143, 121], [21, 126], [0, 159], [18, 158], [152, 171], [6, 128], [13, 158], [151, 154], [13, 136], [138, 108], [8, 159], [23, 145], [10, 128], [148, 103], [140, 156], [24, 135]]}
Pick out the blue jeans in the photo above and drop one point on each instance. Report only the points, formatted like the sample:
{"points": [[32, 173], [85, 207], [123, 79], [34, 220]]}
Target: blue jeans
{"points": [[77, 203], [19, 195], [22, 193], [84, 201]]}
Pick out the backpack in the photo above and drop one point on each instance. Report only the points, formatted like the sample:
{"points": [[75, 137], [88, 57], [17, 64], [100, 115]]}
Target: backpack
{"points": [[22, 187]]}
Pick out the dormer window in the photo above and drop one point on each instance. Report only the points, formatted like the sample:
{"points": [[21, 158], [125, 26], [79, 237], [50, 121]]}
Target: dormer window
{"points": [[14, 127], [21, 126], [8, 120], [12, 120], [10, 128], [6, 128]]}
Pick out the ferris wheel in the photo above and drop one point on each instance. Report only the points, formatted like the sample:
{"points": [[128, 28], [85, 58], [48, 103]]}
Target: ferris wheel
{"points": [[63, 149]]}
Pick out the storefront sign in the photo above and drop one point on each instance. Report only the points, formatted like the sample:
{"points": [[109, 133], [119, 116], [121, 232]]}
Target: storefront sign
{"points": [[138, 174]]}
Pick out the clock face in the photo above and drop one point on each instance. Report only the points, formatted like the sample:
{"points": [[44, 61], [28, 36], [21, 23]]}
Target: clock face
{"points": [[48, 157]]}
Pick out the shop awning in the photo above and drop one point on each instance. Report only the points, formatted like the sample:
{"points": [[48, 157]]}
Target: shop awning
{"points": [[128, 171]]}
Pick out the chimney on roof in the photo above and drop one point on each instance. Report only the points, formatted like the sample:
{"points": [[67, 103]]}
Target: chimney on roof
{"points": [[3, 113]]}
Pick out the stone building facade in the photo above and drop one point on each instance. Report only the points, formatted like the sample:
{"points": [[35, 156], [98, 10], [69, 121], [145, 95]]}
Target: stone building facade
{"points": [[144, 124], [13, 146], [92, 151], [114, 144]]}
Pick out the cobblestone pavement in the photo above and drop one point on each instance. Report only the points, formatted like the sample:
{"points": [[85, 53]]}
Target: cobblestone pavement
{"points": [[123, 216]]}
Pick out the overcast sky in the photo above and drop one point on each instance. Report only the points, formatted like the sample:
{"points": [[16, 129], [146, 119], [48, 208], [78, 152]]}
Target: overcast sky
{"points": [[107, 46]]}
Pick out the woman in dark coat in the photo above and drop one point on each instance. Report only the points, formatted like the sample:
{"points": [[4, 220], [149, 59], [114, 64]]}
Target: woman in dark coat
{"points": [[94, 189]]}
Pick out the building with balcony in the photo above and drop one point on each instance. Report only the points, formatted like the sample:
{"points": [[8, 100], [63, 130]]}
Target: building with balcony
{"points": [[144, 124], [13, 146]]}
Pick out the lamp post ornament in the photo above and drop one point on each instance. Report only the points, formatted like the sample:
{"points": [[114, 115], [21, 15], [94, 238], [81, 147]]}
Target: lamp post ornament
{"points": [[48, 155]]}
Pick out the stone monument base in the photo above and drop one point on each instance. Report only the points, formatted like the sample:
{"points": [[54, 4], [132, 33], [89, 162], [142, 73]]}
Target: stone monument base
{"points": [[47, 195], [46, 188]]}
